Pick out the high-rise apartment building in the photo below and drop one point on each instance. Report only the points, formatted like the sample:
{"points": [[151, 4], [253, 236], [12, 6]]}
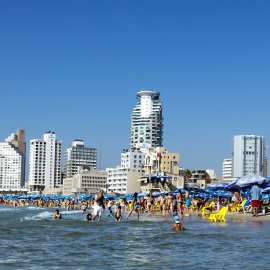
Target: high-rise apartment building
{"points": [[45, 162], [146, 121], [227, 168], [249, 155], [12, 161], [79, 157]]}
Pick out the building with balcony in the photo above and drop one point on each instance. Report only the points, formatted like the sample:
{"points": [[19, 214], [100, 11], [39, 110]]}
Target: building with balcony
{"points": [[146, 120], [249, 155], [79, 157], [45, 162], [12, 161]]}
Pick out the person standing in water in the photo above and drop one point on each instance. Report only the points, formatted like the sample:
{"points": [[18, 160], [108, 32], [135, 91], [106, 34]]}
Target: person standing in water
{"points": [[134, 206], [99, 205], [118, 214]]}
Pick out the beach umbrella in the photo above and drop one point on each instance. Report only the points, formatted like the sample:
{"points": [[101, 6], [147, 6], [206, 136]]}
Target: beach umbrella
{"points": [[250, 179], [217, 185]]}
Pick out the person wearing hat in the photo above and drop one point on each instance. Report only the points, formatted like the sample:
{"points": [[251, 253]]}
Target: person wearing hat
{"points": [[177, 226]]}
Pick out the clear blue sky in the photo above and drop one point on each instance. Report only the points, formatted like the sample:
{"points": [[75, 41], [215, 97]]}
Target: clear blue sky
{"points": [[74, 67]]}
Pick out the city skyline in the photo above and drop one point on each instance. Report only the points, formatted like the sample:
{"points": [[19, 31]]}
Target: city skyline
{"points": [[75, 68]]}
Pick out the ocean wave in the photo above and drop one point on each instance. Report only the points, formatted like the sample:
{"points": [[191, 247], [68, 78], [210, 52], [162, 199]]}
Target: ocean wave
{"points": [[41, 216]]}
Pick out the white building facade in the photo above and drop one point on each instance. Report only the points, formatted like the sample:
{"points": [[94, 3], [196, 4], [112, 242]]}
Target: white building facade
{"points": [[85, 182], [249, 155], [79, 157], [12, 162], [45, 162], [227, 168], [146, 121], [124, 179]]}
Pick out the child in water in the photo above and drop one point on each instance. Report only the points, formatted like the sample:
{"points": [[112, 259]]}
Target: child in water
{"points": [[118, 214], [57, 214], [177, 226], [89, 217]]}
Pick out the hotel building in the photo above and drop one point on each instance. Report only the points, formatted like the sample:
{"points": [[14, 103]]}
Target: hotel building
{"points": [[79, 157], [12, 161], [249, 155], [146, 121], [45, 162]]}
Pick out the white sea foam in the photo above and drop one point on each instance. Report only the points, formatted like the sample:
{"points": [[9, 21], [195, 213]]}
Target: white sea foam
{"points": [[71, 212], [34, 208], [40, 216], [6, 209]]}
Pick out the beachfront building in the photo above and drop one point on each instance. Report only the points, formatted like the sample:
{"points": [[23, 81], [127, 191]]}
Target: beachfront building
{"points": [[132, 158], [78, 157], [45, 162], [161, 171], [200, 174], [86, 181], [124, 178], [12, 161], [146, 120], [249, 155], [227, 168]]}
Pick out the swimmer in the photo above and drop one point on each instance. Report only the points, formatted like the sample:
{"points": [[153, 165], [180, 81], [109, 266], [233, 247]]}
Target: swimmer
{"points": [[177, 226], [89, 217], [118, 214], [57, 214]]}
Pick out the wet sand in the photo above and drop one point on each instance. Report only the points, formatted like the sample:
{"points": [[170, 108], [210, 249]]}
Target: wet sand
{"points": [[248, 216]]}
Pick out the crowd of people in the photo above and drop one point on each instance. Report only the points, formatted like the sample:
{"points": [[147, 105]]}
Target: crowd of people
{"points": [[178, 205]]}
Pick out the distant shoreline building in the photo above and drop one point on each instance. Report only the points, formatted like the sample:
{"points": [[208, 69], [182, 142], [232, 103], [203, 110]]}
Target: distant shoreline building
{"points": [[86, 181], [227, 168], [12, 161], [45, 162], [249, 155], [79, 157], [146, 120], [124, 179]]}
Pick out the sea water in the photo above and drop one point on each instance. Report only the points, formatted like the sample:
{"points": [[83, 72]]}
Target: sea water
{"points": [[31, 239]]}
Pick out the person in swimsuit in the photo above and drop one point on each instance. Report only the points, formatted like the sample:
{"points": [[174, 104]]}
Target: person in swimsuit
{"points": [[134, 206], [89, 217], [57, 214], [177, 226], [118, 214]]}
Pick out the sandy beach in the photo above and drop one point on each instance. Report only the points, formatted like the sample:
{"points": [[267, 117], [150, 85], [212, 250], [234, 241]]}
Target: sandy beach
{"points": [[248, 216]]}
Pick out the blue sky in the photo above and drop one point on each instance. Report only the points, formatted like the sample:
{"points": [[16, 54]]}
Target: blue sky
{"points": [[75, 67]]}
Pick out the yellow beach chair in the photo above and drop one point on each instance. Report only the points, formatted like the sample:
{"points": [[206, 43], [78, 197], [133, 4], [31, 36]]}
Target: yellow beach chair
{"points": [[208, 209], [238, 207], [220, 216]]}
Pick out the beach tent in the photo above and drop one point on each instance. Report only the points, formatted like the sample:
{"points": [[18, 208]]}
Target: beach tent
{"points": [[246, 182]]}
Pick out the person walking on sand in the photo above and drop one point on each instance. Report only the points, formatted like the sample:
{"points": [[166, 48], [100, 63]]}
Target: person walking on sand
{"points": [[255, 199], [134, 206]]}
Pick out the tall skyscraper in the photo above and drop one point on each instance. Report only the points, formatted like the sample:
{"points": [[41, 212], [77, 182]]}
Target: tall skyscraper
{"points": [[146, 121], [249, 155], [12, 161], [79, 157], [45, 162]]}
